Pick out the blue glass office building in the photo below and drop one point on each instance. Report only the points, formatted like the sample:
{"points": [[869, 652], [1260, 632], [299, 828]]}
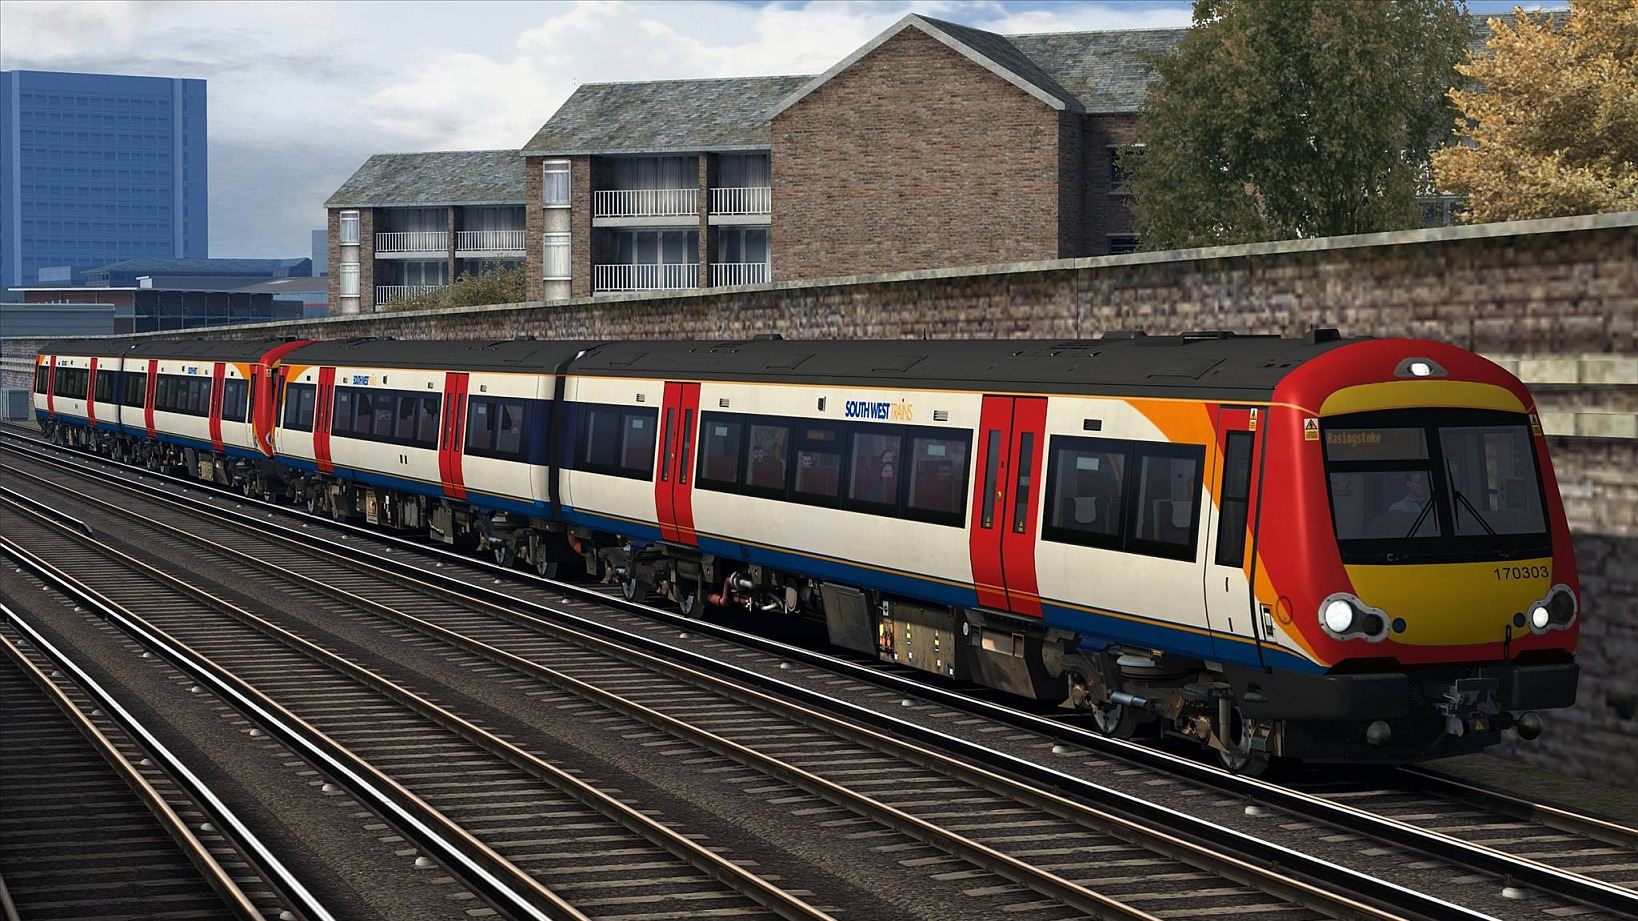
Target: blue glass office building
{"points": [[96, 168]]}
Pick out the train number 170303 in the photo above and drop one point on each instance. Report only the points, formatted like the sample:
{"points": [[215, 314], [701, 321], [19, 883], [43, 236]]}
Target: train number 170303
{"points": [[1506, 573]]}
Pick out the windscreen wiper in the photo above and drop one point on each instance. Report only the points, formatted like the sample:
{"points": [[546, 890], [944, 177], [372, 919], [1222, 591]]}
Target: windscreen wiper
{"points": [[1415, 526], [1478, 517]]}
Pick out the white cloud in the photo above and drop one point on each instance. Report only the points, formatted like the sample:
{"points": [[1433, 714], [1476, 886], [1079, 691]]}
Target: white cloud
{"points": [[300, 93]]}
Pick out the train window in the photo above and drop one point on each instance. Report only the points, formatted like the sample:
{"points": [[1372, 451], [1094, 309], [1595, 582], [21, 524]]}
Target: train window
{"points": [[770, 446], [383, 411], [404, 425], [341, 419], [937, 471], [298, 407], [234, 406], [509, 429], [162, 394], [600, 439], [480, 426], [818, 463], [1025, 464], [71, 383], [687, 445], [1492, 474], [637, 442], [42, 373], [719, 452], [426, 423], [874, 465], [364, 417], [136, 388], [992, 469], [665, 439], [1164, 518], [105, 386], [1231, 516], [1086, 481]]}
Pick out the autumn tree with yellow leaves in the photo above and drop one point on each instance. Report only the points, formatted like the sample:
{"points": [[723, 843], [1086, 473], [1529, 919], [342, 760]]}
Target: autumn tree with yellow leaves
{"points": [[1549, 123]]}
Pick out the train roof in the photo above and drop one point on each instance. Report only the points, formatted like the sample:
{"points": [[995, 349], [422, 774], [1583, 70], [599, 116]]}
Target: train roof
{"points": [[206, 349], [103, 345], [1188, 365], [541, 357]]}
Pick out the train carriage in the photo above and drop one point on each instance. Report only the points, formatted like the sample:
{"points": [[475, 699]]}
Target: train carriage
{"points": [[79, 389], [1319, 548]]}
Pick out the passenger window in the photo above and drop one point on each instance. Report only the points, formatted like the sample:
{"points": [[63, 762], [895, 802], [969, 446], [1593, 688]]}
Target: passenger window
{"points": [[685, 462], [304, 417], [637, 442], [404, 427], [480, 426], [383, 404], [41, 373], [1163, 521], [818, 462], [426, 423], [600, 443], [875, 467], [992, 470], [719, 452], [937, 468], [105, 386], [1232, 513], [509, 429], [342, 423], [770, 446], [1086, 487]]}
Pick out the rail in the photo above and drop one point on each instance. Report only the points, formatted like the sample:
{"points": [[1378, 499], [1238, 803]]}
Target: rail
{"points": [[646, 277], [739, 273]]}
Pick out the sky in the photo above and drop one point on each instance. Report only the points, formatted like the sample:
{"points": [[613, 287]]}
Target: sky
{"points": [[300, 93]]}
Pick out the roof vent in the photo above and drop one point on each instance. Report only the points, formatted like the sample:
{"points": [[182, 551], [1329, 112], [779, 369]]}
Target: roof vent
{"points": [[1124, 334], [1321, 334], [1208, 334], [767, 337]]}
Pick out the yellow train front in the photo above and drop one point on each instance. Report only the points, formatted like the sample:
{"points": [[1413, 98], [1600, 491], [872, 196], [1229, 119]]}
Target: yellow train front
{"points": [[1412, 543]]}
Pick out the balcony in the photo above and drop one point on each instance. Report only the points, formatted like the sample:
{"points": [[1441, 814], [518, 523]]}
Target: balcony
{"points": [[646, 203], [412, 242], [645, 277], [471, 243], [385, 293], [749, 200], [724, 274]]}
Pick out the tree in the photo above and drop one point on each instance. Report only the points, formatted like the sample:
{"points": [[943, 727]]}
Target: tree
{"points": [[1551, 118], [1297, 119], [492, 285]]}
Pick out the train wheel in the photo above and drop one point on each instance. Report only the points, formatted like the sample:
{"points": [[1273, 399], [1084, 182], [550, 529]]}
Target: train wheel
{"points": [[313, 503], [545, 568], [1114, 720], [1239, 757], [632, 589], [505, 554], [688, 600]]}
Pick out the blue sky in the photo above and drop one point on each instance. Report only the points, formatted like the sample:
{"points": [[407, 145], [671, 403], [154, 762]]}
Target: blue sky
{"points": [[302, 91]]}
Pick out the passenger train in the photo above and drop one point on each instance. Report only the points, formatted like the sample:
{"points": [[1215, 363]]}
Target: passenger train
{"points": [[1320, 548]]}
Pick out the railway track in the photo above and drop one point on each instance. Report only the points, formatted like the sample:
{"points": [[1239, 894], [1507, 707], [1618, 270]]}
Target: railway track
{"points": [[98, 819], [1534, 873]]}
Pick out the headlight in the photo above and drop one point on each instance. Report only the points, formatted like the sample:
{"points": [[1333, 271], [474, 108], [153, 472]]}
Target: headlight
{"points": [[1554, 612], [1540, 616], [1345, 617], [1339, 616]]}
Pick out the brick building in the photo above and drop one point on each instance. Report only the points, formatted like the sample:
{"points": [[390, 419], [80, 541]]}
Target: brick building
{"points": [[407, 222]]}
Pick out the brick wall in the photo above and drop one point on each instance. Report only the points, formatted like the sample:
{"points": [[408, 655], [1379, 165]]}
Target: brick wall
{"points": [[366, 260], [1537, 291], [1105, 210], [913, 157], [581, 257], [333, 232]]}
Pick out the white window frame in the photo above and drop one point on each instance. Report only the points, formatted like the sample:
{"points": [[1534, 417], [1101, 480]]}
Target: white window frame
{"points": [[347, 219], [548, 170], [556, 241], [347, 284]]}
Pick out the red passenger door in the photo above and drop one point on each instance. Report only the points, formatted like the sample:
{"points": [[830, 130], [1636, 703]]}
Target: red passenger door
{"points": [[149, 397], [452, 435], [218, 382], [324, 406], [673, 484], [1006, 503], [91, 395]]}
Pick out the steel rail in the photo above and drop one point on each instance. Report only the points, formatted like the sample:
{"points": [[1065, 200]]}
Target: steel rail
{"points": [[1202, 850], [677, 844], [1541, 813], [1521, 871], [197, 852], [497, 878]]}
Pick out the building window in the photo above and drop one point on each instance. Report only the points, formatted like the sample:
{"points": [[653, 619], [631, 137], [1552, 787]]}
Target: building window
{"points": [[1122, 243], [555, 183], [349, 280], [557, 255], [1118, 174], [349, 227]]}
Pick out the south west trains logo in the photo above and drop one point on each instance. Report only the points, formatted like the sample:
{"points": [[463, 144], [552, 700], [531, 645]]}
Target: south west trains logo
{"points": [[863, 409]]}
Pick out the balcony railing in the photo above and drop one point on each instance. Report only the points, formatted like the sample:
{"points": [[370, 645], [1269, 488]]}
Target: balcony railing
{"points": [[412, 241], [385, 293], [739, 273], [647, 277], [489, 241], [748, 200], [646, 203]]}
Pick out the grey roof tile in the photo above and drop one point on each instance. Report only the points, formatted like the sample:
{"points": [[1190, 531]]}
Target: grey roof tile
{"points": [[446, 177], [1005, 53], [1104, 71], [664, 116]]}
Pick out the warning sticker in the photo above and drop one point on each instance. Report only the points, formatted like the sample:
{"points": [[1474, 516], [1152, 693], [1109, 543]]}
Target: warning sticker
{"points": [[1535, 424], [1253, 426], [1310, 430]]}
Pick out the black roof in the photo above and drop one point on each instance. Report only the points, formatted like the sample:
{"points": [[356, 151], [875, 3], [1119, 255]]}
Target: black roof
{"points": [[456, 355], [205, 349], [1190, 365], [102, 345]]}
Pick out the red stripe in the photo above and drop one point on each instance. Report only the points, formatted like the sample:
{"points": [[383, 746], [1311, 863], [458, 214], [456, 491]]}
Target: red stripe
{"points": [[217, 376], [91, 395], [263, 384], [984, 544], [322, 410], [688, 418], [1018, 547], [454, 429], [51, 386], [664, 476], [148, 399]]}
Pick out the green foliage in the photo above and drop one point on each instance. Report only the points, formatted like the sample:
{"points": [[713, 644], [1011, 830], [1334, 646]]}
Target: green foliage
{"points": [[491, 285], [1297, 119]]}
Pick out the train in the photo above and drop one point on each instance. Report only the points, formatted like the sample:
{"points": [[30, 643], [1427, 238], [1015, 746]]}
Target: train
{"points": [[1321, 549]]}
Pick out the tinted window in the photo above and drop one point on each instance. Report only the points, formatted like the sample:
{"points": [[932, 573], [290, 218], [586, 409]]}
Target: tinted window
{"points": [[1163, 521], [770, 446], [341, 420], [874, 466], [1086, 482], [600, 439], [298, 407], [136, 388], [637, 442], [403, 427], [509, 428], [233, 400], [480, 426], [818, 462], [41, 374], [1236, 492], [719, 452], [426, 423], [937, 468], [105, 386]]}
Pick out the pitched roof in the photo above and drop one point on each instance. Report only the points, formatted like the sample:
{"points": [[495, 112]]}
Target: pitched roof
{"points": [[662, 116], [444, 177]]}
